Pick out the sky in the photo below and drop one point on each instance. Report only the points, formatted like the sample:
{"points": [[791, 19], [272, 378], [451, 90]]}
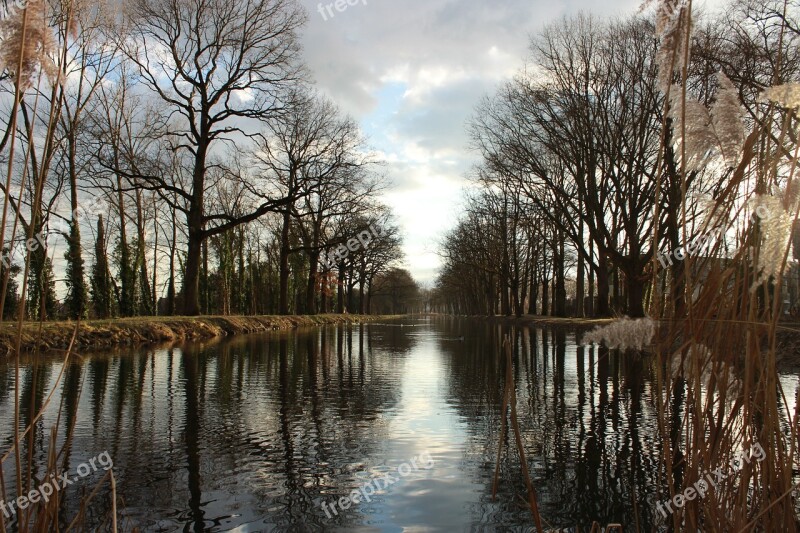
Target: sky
{"points": [[412, 72]]}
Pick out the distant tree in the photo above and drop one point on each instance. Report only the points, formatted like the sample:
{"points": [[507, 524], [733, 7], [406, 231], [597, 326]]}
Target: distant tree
{"points": [[316, 158], [579, 153], [395, 292]]}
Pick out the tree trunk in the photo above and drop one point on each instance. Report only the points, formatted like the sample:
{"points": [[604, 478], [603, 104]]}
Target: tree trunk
{"points": [[505, 309], [191, 280], [560, 285], [602, 286], [172, 247], [340, 290], [362, 301], [590, 309], [491, 296], [545, 297], [253, 284], [323, 302], [524, 288], [579, 283], [195, 229], [126, 298], [243, 281], [635, 292], [155, 257], [205, 289], [369, 298], [283, 306], [311, 287], [145, 294]]}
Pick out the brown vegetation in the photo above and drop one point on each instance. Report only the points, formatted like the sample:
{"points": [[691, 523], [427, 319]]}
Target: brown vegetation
{"points": [[127, 331], [629, 141]]}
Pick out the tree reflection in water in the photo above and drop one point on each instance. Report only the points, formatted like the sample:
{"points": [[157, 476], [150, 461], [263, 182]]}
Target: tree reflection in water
{"points": [[254, 431]]}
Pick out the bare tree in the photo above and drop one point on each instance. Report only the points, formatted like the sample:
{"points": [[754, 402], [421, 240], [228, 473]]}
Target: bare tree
{"points": [[317, 158], [583, 140], [217, 66]]}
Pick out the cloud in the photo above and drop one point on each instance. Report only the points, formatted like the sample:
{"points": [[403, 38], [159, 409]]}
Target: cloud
{"points": [[412, 73]]}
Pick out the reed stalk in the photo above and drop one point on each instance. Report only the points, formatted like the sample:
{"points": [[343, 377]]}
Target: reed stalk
{"points": [[30, 40], [717, 391]]}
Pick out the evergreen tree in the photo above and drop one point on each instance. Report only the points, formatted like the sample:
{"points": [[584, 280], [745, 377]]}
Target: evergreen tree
{"points": [[127, 278], [143, 294], [102, 290], [42, 286], [12, 290], [76, 299]]}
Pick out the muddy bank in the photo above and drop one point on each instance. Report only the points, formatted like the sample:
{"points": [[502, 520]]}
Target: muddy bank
{"points": [[550, 321], [788, 333], [149, 330]]}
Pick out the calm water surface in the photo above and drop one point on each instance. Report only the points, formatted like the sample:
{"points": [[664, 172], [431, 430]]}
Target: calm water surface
{"points": [[253, 433]]}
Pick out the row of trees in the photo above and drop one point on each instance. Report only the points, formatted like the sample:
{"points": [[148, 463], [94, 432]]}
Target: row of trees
{"points": [[578, 189], [223, 176]]}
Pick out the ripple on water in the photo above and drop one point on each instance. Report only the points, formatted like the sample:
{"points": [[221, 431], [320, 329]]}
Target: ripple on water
{"points": [[255, 433]]}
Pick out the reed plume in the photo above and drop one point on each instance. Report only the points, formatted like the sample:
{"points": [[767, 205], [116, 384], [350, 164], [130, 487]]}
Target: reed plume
{"points": [[29, 42], [717, 386], [623, 334]]}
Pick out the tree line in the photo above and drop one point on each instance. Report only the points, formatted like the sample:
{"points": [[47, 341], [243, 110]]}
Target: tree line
{"points": [[580, 189], [226, 179]]}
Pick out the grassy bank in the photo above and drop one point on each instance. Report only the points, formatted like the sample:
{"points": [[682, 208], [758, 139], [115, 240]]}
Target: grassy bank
{"points": [[147, 330]]}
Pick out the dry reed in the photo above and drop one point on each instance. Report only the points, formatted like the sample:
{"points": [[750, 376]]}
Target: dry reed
{"points": [[29, 52], [717, 387], [510, 400]]}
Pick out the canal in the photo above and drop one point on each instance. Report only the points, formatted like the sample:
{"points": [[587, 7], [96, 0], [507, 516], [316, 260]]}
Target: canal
{"points": [[275, 432]]}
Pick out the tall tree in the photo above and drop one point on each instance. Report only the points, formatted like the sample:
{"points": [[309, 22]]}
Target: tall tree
{"points": [[317, 159], [215, 65], [77, 294], [102, 295], [92, 58]]}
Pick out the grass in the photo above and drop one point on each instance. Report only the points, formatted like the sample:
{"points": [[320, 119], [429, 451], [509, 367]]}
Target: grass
{"points": [[147, 330]]}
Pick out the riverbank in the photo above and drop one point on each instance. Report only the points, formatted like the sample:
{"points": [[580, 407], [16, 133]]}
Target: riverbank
{"points": [[550, 321], [151, 330], [788, 333]]}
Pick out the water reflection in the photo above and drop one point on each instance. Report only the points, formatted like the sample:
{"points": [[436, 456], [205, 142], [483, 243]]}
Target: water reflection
{"points": [[587, 420], [251, 434]]}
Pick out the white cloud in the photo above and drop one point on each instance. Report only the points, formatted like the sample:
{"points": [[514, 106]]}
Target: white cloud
{"points": [[412, 72]]}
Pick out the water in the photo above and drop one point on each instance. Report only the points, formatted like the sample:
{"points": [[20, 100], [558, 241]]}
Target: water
{"points": [[255, 433]]}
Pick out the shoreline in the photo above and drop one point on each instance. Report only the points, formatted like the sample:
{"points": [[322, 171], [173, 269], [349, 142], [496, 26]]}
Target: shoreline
{"points": [[788, 334], [142, 331], [534, 320]]}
